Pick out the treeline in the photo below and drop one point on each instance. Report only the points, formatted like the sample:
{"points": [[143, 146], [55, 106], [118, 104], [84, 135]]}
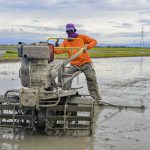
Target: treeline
{"points": [[121, 47], [8, 47]]}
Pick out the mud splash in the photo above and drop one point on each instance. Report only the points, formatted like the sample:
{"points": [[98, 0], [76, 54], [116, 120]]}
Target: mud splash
{"points": [[121, 81]]}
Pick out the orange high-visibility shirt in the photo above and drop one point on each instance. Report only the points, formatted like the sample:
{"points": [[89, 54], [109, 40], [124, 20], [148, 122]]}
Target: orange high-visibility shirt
{"points": [[83, 57]]}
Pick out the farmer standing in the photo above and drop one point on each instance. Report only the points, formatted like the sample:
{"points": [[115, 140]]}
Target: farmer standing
{"points": [[83, 61]]}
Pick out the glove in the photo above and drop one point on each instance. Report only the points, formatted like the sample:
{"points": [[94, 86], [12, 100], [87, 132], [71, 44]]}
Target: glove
{"points": [[85, 48], [57, 43]]}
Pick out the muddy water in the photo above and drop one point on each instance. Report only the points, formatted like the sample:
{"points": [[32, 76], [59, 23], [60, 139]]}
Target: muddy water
{"points": [[124, 81]]}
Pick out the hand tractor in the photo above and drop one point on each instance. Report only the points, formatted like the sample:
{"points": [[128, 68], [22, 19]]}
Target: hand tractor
{"points": [[43, 104]]}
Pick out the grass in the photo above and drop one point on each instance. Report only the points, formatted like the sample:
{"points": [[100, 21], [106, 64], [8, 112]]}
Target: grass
{"points": [[96, 52], [119, 52], [10, 55], [121, 49], [99, 52]]}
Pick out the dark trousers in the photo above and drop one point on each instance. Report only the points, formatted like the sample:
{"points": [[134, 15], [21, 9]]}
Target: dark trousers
{"points": [[90, 75]]}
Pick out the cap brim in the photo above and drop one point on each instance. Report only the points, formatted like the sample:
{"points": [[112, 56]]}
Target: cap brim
{"points": [[70, 29]]}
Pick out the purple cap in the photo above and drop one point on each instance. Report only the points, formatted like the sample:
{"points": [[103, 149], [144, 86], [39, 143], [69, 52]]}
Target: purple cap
{"points": [[70, 26]]}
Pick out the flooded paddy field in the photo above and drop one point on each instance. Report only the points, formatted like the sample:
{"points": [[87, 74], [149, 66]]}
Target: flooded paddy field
{"points": [[122, 81]]}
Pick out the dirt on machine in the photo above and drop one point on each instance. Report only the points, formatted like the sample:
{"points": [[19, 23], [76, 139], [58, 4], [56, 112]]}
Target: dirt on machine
{"points": [[44, 104]]}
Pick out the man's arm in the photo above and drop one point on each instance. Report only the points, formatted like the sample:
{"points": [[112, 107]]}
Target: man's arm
{"points": [[88, 41], [60, 51]]}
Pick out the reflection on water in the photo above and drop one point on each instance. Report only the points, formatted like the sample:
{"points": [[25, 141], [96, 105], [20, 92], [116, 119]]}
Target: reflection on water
{"points": [[121, 81], [9, 76], [9, 141]]}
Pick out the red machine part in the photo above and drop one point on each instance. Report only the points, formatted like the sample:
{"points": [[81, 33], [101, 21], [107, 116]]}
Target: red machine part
{"points": [[51, 52]]}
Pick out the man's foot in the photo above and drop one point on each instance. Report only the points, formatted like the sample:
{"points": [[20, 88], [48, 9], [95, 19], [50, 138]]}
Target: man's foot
{"points": [[99, 102]]}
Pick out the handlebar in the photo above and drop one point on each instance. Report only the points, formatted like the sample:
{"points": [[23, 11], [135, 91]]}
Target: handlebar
{"points": [[66, 48]]}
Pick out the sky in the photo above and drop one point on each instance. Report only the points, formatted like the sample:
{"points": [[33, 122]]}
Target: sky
{"points": [[110, 22]]}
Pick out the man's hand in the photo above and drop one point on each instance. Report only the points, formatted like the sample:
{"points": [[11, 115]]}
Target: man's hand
{"points": [[85, 48]]}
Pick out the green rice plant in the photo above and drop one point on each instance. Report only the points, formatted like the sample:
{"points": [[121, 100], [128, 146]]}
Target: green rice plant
{"points": [[10, 55], [11, 51]]}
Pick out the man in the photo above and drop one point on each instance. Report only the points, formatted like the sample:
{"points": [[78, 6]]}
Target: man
{"points": [[83, 61]]}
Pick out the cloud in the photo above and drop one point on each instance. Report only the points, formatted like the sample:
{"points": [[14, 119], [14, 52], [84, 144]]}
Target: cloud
{"points": [[41, 28], [35, 21], [103, 5], [144, 21], [108, 21], [13, 36], [121, 25], [127, 34]]}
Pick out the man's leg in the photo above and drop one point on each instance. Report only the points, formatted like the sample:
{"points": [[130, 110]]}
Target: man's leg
{"points": [[91, 80], [72, 69]]}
